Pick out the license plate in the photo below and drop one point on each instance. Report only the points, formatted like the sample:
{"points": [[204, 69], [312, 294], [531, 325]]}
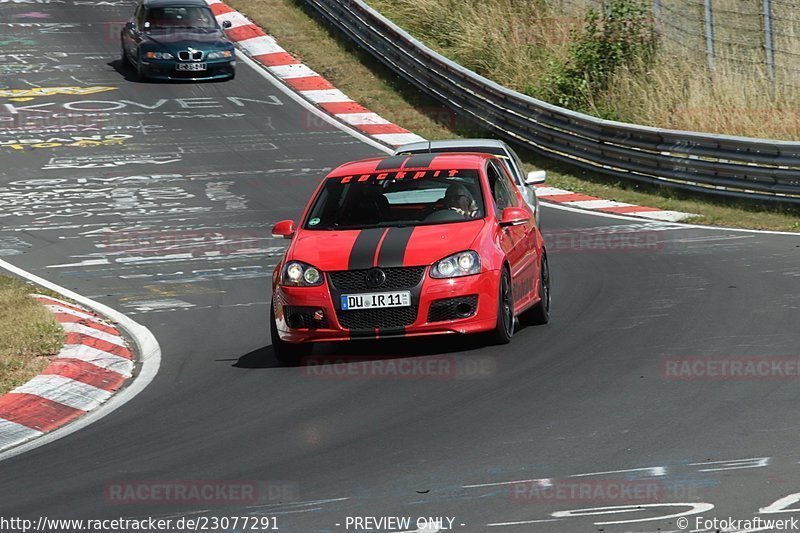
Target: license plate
{"points": [[376, 300], [190, 66]]}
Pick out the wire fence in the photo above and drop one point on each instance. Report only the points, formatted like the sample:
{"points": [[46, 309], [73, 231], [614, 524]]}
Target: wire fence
{"points": [[762, 36]]}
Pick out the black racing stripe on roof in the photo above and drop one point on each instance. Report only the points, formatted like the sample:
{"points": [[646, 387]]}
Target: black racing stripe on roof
{"points": [[362, 255], [420, 160], [395, 161]]}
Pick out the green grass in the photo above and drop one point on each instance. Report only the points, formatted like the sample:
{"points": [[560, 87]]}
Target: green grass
{"points": [[29, 333], [368, 82]]}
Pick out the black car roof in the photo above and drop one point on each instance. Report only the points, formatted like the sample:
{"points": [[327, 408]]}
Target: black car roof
{"points": [[174, 3]]}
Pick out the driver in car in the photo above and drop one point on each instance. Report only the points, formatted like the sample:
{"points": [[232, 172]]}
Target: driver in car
{"points": [[458, 198]]}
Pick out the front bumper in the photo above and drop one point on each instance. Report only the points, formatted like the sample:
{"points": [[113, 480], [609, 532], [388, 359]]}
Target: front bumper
{"points": [[287, 301], [167, 70]]}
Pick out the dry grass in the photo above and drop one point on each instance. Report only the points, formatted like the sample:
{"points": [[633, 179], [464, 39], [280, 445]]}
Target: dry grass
{"points": [[515, 43], [369, 83], [29, 334]]}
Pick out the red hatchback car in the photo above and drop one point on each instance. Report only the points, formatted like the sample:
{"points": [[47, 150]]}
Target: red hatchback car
{"points": [[406, 246]]}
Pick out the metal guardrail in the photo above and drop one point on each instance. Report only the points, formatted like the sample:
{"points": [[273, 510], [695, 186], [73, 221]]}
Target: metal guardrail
{"points": [[756, 169]]}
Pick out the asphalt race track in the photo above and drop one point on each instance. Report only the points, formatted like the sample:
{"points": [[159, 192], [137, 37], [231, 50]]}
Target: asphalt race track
{"points": [[167, 215]]}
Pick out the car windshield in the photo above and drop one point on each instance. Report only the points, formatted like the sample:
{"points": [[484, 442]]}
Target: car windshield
{"points": [[404, 198], [180, 17]]}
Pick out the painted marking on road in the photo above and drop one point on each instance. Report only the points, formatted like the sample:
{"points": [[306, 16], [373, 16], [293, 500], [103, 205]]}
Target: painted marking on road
{"points": [[653, 471], [542, 482], [522, 522]]}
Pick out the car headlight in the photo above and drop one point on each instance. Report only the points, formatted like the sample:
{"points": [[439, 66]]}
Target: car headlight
{"points": [[159, 55], [221, 54], [300, 274], [461, 264]]}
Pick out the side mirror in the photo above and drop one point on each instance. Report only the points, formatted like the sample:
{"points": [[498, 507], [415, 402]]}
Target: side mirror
{"points": [[284, 228], [535, 177], [514, 216], [226, 24]]}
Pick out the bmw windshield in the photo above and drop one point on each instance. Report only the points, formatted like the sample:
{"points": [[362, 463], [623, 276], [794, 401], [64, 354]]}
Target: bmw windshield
{"points": [[404, 198], [186, 17]]}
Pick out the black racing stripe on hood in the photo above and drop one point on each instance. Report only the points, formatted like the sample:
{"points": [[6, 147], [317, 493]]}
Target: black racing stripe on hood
{"points": [[420, 161], [362, 255], [395, 161], [393, 249]]}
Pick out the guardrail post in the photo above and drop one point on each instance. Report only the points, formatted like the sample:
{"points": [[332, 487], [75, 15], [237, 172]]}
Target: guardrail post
{"points": [[709, 19], [769, 44]]}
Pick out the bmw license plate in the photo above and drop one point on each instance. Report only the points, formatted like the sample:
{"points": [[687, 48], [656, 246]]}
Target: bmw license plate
{"points": [[376, 300], [190, 66]]}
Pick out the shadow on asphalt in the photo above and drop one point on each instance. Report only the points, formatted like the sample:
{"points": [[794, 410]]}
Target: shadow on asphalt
{"points": [[370, 350]]}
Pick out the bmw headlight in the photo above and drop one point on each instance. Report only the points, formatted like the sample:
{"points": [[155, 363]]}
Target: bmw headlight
{"points": [[461, 264], [159, 55], [300, 274], [220, 54]]}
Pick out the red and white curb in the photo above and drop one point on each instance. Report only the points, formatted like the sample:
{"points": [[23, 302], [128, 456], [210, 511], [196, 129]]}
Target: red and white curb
{"points": [[94, 362], [592, 203], [301, 79], [263, 49]]}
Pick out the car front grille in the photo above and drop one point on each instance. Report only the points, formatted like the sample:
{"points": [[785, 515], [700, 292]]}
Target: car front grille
{"points": [[370, 319], [396, 278], [453, 308], [190, 55]]}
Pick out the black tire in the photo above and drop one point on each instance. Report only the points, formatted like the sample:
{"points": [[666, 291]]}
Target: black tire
{"points": [[540, 313], [286, 352], [233, 75], [504, 329]]}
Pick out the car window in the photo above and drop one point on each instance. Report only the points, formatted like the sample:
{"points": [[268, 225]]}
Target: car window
{"points": [[180, 17], [518, 164], [502, 189], [401, 198], [140, 16]]}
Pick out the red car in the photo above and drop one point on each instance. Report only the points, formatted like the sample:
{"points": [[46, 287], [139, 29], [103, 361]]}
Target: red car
{"points": [[404, 246]]}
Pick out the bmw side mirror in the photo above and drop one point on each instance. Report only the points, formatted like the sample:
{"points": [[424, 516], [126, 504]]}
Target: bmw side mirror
{"points": [[226, 24], [535, 177], [284, 229], [514, 216]]}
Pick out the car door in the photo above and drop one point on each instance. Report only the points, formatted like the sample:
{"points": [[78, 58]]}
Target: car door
{"points": [[518, 242]]}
